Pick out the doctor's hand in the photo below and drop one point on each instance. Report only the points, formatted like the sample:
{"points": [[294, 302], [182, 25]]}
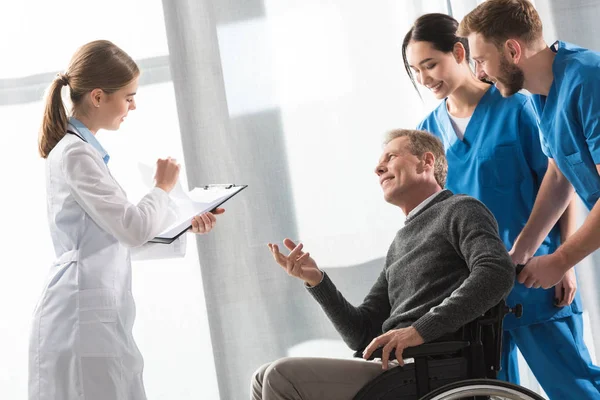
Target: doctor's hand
{"points": [[167, 173], [518, 258], [543, 271], [565, 290], [297, 263], [204, 223], [395, 339]]}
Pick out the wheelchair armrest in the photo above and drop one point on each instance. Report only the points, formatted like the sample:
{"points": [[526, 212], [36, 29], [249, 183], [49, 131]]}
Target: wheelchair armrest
{"points": [[435, 349], [424, 350]]}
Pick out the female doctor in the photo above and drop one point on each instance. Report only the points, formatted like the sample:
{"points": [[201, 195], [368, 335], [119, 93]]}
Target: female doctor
{"points": [[81, 343], [494, 154]]}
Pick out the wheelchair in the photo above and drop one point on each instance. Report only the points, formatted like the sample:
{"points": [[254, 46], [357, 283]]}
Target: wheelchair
{"points": [[465, 367]]}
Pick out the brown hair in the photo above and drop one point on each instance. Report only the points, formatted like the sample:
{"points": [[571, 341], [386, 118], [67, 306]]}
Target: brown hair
{"points": [[95, 65], [420, 143], [500, 20]]}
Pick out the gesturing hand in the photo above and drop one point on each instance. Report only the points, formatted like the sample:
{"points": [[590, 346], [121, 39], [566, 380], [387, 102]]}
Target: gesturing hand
{"points": [[395, 339], [297, 263]]}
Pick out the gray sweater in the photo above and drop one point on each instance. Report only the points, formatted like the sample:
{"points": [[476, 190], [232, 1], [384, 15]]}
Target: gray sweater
{"points": [[445, 267]]}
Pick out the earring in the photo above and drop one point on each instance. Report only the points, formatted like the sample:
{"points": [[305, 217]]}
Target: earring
{"points": [[98, 105]]}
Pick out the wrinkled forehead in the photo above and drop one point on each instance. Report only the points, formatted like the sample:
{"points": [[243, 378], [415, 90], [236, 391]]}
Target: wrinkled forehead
{"points": [[395, 146]]}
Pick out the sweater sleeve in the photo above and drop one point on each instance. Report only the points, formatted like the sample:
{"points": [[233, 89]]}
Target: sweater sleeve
{"points": [[357, 325], [473, 232]]}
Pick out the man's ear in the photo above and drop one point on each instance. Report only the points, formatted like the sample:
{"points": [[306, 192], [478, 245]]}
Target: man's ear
{"points": [[427, 162], [513, 50], [429, 159], [459, 52]]}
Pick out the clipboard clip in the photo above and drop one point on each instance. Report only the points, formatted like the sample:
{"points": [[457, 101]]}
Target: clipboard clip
{"points": [[221, 185]]}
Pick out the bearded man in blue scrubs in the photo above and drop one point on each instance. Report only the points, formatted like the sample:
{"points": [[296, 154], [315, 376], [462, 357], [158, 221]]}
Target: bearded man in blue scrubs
{"points": [[505, 37]]}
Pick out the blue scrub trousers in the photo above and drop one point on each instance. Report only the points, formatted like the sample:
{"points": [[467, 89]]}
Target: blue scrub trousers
{"points": [[557, 356]]}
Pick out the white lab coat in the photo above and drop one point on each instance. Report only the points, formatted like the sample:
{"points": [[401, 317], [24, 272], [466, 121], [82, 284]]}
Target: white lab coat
{"points": [[81, 342]]}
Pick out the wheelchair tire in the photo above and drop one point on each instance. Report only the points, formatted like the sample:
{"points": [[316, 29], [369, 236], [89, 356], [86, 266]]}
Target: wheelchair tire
{"points": [[482, 387]]}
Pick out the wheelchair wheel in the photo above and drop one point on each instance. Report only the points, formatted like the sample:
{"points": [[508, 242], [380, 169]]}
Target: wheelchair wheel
{"points": [[482, 388]]}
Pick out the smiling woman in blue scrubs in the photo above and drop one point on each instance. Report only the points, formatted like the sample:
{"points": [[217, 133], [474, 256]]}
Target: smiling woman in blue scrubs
{"points": [[494, 154]]}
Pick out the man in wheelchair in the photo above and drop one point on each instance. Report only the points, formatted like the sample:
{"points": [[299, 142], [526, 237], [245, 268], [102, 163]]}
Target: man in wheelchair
{"points": [[446, 267]]}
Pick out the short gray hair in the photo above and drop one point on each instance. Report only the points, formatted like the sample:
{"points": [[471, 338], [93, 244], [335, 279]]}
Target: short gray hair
{"points": [[421, 142]]}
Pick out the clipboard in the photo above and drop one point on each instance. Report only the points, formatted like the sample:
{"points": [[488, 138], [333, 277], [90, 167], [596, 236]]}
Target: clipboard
{"points": [[198, 201]]}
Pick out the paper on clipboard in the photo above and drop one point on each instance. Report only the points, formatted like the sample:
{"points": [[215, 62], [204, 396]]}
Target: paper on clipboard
{"points": [[186, 205], [198, 201]]}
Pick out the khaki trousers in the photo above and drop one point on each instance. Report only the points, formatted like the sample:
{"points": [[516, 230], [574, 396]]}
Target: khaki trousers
{"points": [[313, 378]]}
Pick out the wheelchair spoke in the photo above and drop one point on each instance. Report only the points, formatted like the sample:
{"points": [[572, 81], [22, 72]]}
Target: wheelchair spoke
{"points": [[485, 389]]}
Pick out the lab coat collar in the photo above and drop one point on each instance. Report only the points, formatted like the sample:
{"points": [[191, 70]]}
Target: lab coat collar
{"points": [[89, 137]]}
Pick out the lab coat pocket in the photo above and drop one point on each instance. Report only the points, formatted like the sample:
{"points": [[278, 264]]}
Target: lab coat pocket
{"points": [[66, 261], [499, 166], [98, 328], [582, 176]]}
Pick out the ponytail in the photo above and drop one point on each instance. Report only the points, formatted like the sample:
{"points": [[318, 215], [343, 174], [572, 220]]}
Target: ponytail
{"points": [[96, 65], [54, 122]]}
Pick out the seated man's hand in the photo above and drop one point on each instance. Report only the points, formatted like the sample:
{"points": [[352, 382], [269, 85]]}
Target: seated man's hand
{"points": [[204, 223], [395, 339], [297, 263]]}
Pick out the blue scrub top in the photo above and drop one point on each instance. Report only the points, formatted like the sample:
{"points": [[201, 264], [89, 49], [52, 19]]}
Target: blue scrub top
{"points": [[570, 118], [500, 162]]}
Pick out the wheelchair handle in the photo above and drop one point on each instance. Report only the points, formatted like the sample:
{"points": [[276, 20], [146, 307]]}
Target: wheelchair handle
{"points": [[520, 268]]}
